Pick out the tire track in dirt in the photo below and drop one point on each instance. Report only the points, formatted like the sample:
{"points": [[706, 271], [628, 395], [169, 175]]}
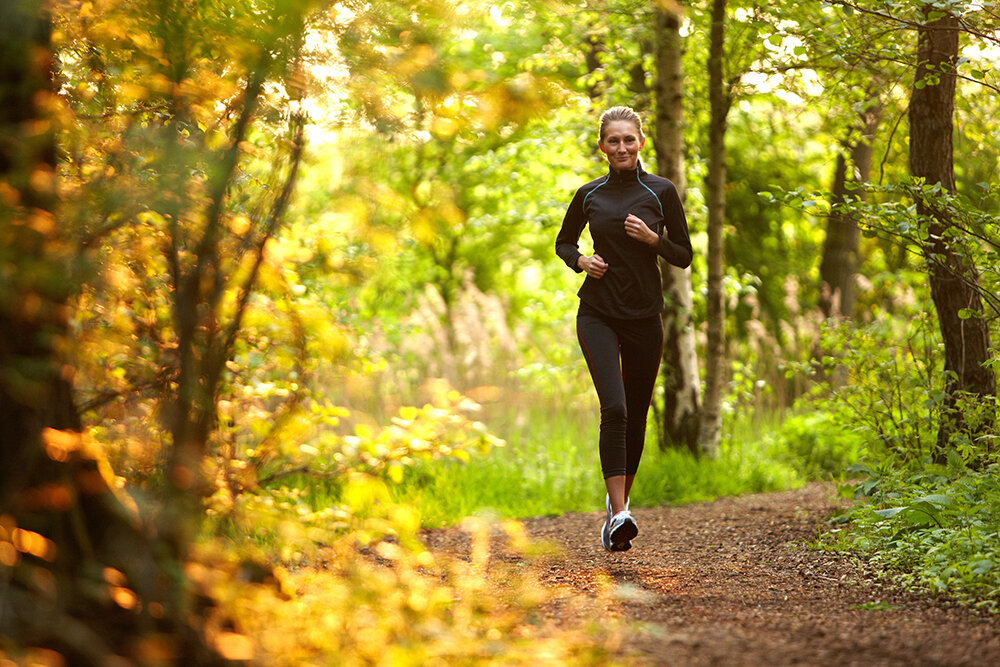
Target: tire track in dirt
{"points": [[733, 582]]}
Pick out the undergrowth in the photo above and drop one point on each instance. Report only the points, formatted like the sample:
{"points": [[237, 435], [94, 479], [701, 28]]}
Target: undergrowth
{"points": [[930, 528], [926, 519], [550, 466]]}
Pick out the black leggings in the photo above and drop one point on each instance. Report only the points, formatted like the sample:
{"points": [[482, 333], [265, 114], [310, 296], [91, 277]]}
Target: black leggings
{"points": [[624, 359]]}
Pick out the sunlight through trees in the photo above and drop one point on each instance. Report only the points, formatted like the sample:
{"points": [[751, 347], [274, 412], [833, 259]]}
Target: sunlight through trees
{"points": [[277, 293]]}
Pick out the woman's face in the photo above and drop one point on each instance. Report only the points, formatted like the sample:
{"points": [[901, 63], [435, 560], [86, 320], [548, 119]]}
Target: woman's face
{"points": [[621, 144]]}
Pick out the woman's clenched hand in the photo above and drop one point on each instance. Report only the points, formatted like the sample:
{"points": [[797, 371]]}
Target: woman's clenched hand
{"points": [[593, 266]]}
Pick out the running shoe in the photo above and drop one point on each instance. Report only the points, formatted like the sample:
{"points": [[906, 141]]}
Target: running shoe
{"points": [[606, 536], [621, 531], [608, 544]]}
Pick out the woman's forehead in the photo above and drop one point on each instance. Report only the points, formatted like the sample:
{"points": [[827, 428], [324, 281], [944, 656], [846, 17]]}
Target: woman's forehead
{"points": [[621, 127]]}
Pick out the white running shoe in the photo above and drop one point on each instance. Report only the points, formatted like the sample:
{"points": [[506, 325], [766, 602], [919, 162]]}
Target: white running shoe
{"points": [[606, 536], [621, 531], [605, 530]]}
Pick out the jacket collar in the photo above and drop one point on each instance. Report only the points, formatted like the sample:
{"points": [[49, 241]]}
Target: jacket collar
{"points": [[629, 176]]}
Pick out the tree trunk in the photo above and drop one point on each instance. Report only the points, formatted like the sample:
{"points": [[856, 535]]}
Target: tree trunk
{"points": [[839, 267], [681, 384], [34, 386], [67, 538], [953, 278], [595, 83], [715, 185]]}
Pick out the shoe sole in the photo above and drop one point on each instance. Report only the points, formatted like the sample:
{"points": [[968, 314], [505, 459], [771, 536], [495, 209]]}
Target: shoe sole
{"points": [[621, 547], [614, 547], [623, 535]]}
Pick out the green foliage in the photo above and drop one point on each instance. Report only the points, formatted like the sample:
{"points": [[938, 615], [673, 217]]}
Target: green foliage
{"points": [[771, 242], [931, 528], [746, 463], [817, 445], [893, 393], [552, 462], [549, 459], [310, 475]]}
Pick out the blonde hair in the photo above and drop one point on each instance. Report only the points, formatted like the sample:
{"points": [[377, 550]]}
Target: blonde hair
{"points": [[620, 113]]}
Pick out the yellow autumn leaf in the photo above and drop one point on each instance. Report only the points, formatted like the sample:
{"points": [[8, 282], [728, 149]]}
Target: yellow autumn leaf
{"points": [[234, 646]]}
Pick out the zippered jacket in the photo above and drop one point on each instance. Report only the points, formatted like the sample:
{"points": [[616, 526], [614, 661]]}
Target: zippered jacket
{"points": [[631, 288]]}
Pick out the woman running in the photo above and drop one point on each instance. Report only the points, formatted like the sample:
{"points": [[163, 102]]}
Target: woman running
{"points": [[634, 218]]}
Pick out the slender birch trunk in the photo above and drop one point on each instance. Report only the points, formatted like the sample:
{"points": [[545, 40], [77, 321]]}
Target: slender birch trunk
{"points": [[681, 384], [715, 349]]}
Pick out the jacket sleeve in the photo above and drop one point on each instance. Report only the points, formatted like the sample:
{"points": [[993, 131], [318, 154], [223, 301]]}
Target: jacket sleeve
{"points": [[568, 239], [675, 243]]}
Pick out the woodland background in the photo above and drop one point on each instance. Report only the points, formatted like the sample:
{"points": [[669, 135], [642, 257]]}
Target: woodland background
{"points": [[278, 291]]}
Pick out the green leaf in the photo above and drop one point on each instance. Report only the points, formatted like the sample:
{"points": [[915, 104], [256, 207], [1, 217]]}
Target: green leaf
{"points": [[889, 513], [981, 566], [938, 499], [921, 513]]}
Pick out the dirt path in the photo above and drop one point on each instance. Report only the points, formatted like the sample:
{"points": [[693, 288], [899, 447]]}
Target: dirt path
{"points": [[731, 582]]}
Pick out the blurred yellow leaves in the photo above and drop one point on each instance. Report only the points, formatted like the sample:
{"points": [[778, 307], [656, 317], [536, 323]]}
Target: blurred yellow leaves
{"points": [[15, 541], [375, 595], [413, 58], [60, 444], [233, 646], [429, 223], [239, 225], [121, 594], [445, 128]]}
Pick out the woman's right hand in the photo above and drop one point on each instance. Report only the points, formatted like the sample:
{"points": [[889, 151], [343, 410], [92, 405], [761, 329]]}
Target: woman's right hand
{"points": [[593, 266]]}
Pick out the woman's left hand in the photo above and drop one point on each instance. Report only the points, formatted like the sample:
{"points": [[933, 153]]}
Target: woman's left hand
{"points": [[638, 230]]}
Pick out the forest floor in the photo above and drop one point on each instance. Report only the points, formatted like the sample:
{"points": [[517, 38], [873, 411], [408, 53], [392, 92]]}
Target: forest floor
{"points": [[735, 582]]}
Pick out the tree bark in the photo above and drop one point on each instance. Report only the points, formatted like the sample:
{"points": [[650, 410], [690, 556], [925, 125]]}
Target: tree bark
{"points": [[595, 47], [839, 266], [35, 388], [67, 534], [679, 371], [953, 277], [715, 185], [51, 488]]}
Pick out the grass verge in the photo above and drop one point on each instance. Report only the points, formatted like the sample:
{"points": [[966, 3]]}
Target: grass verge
{"points": [[550, 466]]}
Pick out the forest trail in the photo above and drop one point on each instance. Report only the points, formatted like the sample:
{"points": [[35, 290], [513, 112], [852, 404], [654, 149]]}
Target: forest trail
{"points": [[733, 582]]}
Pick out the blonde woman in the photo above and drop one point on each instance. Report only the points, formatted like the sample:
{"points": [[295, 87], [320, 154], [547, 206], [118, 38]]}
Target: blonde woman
{"points": [[634, 218]]}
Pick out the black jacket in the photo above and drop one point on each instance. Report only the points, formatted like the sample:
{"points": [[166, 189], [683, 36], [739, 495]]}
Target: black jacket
{"points": [[631, 288]]}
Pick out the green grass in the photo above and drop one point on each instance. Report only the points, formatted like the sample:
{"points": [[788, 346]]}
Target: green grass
{"points": [[550, 466]]}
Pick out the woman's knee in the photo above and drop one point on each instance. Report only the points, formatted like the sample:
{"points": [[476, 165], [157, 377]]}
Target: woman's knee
{"points": [[614, 413]]}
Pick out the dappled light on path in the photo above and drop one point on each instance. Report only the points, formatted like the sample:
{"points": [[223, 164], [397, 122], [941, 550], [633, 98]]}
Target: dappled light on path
{"points": [[736, 582]]}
